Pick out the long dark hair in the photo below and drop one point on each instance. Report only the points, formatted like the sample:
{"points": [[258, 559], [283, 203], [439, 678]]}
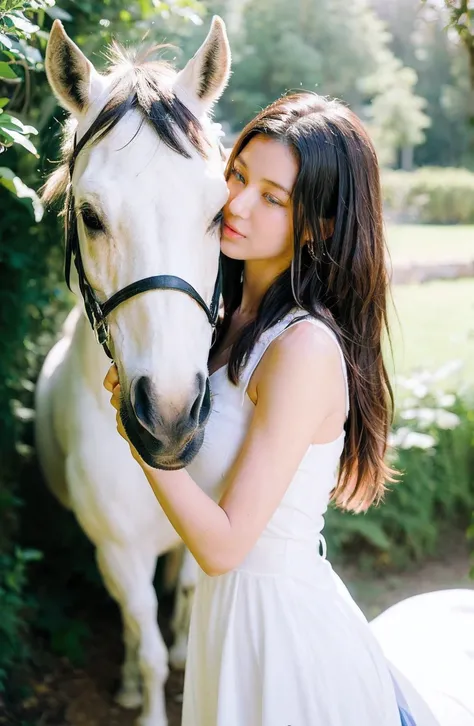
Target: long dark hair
{"points": [[339, 277]]}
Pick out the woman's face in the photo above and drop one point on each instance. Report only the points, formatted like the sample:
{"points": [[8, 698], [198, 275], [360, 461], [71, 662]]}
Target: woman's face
{"points": [[258, 220]]}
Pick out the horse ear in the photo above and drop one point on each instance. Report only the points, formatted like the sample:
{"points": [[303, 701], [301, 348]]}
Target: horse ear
{"points": [[206, 75], [70, 75]]}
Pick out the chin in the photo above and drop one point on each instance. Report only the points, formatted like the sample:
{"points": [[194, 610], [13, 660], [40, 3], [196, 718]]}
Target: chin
{"points": [[232, 249], [153, 453]]}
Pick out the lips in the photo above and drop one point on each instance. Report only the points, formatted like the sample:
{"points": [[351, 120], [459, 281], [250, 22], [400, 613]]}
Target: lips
{"points": [[232, 230]]}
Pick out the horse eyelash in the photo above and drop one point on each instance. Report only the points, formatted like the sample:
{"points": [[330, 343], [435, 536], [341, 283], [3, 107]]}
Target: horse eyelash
{"points": [[216, 222]]}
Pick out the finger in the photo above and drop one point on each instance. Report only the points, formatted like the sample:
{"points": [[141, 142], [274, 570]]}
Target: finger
{"points": [[120, 427], [115, 399], [111, 379]]}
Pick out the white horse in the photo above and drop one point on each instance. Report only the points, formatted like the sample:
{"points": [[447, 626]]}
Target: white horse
{"points": [[145, 189]]}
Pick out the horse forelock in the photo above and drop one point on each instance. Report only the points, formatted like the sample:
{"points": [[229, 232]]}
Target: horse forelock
{"points": [[141, 84]]}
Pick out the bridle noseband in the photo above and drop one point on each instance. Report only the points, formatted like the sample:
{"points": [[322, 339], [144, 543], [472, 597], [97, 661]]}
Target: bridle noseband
{"points": [[98, 312]]}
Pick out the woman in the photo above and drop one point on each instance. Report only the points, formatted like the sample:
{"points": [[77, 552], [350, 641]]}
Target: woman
{"points": [[302, 409]]}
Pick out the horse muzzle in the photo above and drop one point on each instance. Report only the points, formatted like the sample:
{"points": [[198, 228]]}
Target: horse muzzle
{"points": [[164, 437]]}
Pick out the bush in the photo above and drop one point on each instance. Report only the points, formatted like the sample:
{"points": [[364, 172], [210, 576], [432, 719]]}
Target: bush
{"points": [[29, 297], [429, 195], [433, 440]]}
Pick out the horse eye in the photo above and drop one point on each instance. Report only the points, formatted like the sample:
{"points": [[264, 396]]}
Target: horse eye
{"points": [[91, 220]]}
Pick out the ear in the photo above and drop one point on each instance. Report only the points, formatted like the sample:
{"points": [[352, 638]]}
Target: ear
{"points": [[73, 78], [202, 81]]}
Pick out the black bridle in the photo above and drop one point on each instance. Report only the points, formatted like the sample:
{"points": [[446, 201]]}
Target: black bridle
{"points": [[98, 312]]}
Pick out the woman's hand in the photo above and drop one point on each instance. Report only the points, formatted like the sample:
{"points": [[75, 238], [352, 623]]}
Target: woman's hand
{"points": [[111, 384]]}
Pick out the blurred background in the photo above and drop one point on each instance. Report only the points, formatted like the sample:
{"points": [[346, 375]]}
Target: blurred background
{"points": [[407, 68]]}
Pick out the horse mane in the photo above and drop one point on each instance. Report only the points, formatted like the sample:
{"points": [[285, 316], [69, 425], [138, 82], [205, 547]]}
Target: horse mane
{"points": [[138, 83]]}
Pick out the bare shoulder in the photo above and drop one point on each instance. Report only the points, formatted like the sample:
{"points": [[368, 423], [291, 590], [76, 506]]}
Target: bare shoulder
{"points": [[304, 352], [303, 346]]}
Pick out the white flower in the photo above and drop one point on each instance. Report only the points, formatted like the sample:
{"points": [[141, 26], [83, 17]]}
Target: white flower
{"points": [[425, 416], [446, 400], [447, 419], [429, 416], [415, 440], [404, 438], [397, 436]]}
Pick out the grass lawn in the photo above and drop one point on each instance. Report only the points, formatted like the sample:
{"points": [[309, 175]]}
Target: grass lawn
{"points": [[429, 242], [435, 325]]}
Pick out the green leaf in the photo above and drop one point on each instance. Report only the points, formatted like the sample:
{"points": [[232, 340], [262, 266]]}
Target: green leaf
{"points": [[20, 22], [22, 192], [6, 173], [12, 122], [30, 555], [19, 139], [369, 530], [58, 13], [6, 71], [3, 102], [5, 40]]}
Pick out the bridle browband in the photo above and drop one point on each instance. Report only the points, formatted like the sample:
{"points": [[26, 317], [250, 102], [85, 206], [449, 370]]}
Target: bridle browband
{"points": [[98, 312]]}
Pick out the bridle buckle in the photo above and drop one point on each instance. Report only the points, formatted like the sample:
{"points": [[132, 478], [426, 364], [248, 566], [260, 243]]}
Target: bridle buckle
{"points": [[102, 332]]}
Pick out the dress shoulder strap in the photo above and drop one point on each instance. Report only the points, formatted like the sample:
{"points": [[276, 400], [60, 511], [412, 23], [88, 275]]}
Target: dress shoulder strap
{"points": [[293, 318]]}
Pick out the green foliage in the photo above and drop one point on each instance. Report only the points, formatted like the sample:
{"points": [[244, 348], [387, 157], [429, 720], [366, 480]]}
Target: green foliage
{"points": [[430, 195], [19, 56], [433, 440], [95, 23], [25, 290], [419, 39], [13, 602], [461, 20], [396, 115], [278, 47]]}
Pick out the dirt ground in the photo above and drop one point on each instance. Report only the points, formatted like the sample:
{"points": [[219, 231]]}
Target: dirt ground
{"points": [[63, 695]]}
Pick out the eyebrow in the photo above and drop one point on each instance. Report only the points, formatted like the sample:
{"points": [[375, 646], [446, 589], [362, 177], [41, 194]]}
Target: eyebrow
{"points": [[268, 181]]}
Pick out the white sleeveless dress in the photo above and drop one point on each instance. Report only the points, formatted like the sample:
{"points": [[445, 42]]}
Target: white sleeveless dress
{"points": [[278, 641]]}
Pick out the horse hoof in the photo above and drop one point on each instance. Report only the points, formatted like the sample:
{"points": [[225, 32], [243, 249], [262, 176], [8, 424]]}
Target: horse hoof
{"points": [[129, 699]]}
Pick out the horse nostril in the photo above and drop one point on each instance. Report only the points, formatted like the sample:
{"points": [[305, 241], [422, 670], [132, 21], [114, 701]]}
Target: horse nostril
{"points": [[199, 411], [141, 398]]}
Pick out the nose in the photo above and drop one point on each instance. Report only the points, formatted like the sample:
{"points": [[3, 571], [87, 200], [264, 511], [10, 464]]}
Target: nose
{"points": [[170, 428], [240, 205]]}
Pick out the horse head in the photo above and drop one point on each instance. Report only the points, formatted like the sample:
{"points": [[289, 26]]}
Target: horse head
{"points": [[145, 185]]}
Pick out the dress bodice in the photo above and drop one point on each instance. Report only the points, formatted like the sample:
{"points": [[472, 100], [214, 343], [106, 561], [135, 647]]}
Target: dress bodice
{"points": [[300, 514]]}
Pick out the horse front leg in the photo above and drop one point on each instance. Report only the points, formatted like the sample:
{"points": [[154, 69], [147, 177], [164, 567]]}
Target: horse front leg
{"points": [[130, 692], [128, 574], [187, 581]]}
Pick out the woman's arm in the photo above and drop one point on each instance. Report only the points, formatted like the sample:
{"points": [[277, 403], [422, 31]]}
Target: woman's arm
{"points": [[299, 381]]}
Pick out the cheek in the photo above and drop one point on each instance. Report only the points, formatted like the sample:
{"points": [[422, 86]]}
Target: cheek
{"points": [[276, 229]]}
